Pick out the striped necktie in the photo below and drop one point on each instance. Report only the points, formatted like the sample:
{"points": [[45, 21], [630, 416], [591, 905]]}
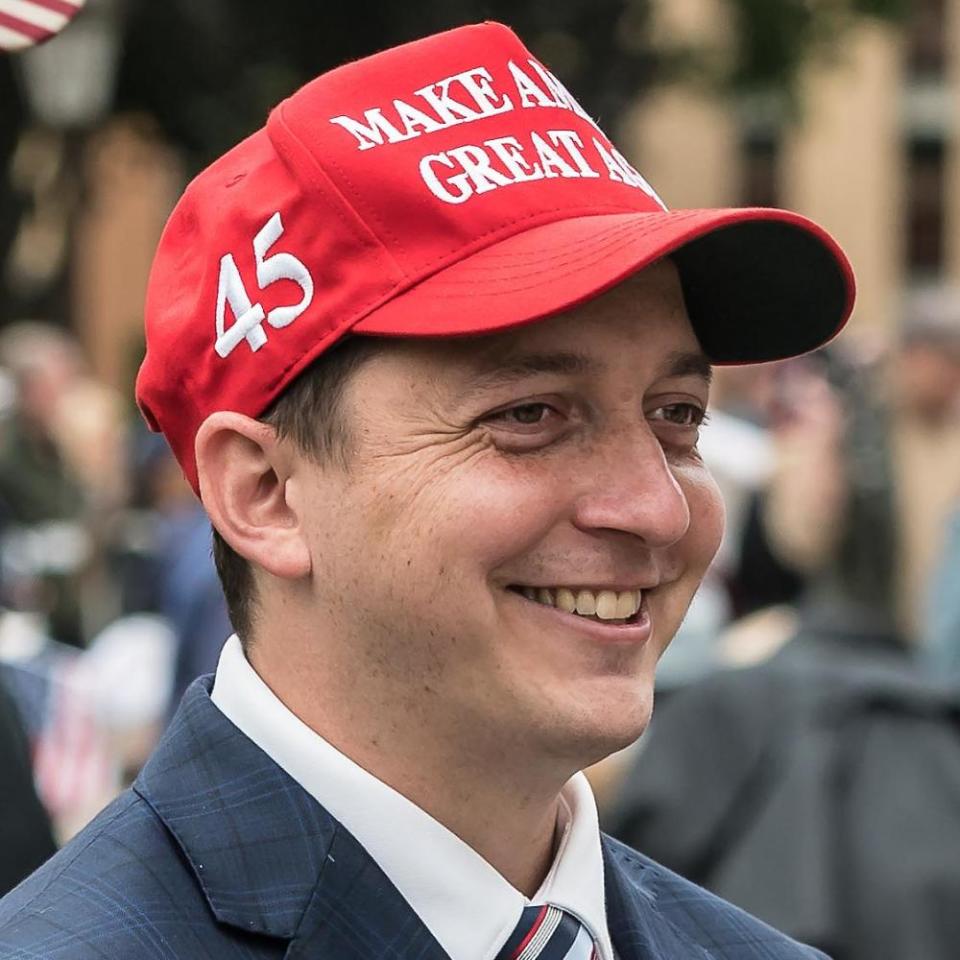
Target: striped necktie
{"points": [[549, 933]]}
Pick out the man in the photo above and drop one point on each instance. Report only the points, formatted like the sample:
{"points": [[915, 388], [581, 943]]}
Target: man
{"points": [[867, 475], [41, 495], [454, 548]]}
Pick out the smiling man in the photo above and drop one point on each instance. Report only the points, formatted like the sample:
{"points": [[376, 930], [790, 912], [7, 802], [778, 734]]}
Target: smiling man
{"points": [[435, 358]]}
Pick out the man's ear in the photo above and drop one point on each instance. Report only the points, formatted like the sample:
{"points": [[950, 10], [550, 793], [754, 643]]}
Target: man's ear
{"points": [[243, 469]]}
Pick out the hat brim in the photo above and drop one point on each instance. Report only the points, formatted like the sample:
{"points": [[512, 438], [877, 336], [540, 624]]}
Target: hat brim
{"points": [[759, 284]]}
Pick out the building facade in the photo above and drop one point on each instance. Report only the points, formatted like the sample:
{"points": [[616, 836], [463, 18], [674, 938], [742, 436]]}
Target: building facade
{"points": [[871, 151]]}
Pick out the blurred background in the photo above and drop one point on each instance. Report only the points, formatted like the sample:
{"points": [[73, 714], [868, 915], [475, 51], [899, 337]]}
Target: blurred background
{"points": [[804, 760]]}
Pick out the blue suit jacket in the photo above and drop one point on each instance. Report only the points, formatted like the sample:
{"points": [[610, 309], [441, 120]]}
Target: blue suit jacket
{"points": [[216, 853]]}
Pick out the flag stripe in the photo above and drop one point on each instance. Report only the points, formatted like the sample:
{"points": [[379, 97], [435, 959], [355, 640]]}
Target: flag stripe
{"points": [[37, 13], [71, 765], [30, 30], [10, 40], [68, 10]]}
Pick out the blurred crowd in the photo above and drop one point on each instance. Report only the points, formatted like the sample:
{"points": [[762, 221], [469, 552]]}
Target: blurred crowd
{"points": [[841, 475], [804, 756], [804, 759], [109, 601]]}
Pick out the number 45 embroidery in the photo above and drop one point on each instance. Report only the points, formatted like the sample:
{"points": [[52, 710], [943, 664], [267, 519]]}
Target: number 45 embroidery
{"points": [[249, 317]]}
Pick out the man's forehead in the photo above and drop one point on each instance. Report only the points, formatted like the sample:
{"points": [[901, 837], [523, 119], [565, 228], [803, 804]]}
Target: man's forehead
{"points": [[515, 360], [519, 364]]}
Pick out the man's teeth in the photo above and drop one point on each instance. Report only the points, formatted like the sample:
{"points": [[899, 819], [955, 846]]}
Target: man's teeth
{"points": [[602, 604]]}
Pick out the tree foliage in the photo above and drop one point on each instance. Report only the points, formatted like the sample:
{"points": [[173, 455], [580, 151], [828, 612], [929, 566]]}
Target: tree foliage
{"points": [[775, 37], [210, 71]]}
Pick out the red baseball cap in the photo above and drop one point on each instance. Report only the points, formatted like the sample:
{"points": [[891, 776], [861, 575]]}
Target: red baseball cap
{"points": [[449, 186]]}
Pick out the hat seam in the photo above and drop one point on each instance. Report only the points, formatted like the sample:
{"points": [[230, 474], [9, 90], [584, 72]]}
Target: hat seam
{"points": [[360, 201], [373, 239]]}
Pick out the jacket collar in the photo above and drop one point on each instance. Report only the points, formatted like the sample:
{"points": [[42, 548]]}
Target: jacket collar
{"points": [[645, 918], [269, 858]]}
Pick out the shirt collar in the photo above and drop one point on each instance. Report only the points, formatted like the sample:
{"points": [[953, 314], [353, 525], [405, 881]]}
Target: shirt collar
{"points": [[470, 918]]}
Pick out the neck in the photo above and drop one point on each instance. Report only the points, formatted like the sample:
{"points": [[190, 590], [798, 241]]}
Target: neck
{"points": [[515, 832], [504, 808]]}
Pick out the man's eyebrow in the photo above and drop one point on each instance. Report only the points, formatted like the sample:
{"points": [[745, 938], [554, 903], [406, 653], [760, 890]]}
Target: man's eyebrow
{"points": [[686, 364], [509, 369], [505, 370]]}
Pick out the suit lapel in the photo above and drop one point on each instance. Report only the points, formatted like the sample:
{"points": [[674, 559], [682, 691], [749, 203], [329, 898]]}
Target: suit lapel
{"points": [[269, 858], [356, 912], [638, 927]]}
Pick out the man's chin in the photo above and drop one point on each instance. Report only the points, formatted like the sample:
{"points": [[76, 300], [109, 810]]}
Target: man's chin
{"points": [[620, 735], [610, 721]]}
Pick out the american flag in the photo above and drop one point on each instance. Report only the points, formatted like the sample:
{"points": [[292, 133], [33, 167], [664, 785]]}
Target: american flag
{"points": [[24, 23], [73, 768], [71, 764]]}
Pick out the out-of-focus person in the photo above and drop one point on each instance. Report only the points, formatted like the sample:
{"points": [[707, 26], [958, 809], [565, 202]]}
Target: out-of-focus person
{"points": [[26, 839], [858, 504], [178, 578], [90, 430], [44, 544], [54, 687], [35, 483], [818, 789], [926, 443], [941, 648]]}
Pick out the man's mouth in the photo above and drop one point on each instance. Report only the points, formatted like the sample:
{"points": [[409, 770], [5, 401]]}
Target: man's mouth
{"points": [[603, 606]]}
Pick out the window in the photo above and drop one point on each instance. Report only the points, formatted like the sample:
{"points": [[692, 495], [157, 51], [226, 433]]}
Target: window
{"points": [[760, 170], [925, 35], [924, 199]]}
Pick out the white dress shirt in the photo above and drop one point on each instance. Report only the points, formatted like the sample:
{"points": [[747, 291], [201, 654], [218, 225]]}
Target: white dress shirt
{"points": [[468, 907]]}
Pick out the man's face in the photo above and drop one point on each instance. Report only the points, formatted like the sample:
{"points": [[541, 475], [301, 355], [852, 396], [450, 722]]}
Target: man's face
{"points": [[491, 480]]}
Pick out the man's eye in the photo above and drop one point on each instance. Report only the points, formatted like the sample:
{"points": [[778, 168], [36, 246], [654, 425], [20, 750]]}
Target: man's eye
{"points": [[527, 414], [681, 414]]}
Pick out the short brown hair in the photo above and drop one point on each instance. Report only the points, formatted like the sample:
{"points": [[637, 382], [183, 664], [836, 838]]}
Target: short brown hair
{"points": [[310, 413]]}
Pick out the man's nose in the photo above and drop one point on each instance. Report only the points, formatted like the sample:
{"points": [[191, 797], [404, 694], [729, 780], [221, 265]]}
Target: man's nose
{"points": [[630, 488]]}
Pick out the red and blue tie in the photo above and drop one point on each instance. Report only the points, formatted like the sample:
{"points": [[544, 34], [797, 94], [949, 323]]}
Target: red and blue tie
{"points": [[549, 933]]}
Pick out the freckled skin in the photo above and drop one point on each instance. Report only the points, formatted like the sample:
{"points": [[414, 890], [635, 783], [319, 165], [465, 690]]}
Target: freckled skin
{"points": [[406, 642]]}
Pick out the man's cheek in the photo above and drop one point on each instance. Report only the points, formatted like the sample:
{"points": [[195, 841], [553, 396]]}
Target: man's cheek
{"points": [[414, 500], [707, 519]]}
